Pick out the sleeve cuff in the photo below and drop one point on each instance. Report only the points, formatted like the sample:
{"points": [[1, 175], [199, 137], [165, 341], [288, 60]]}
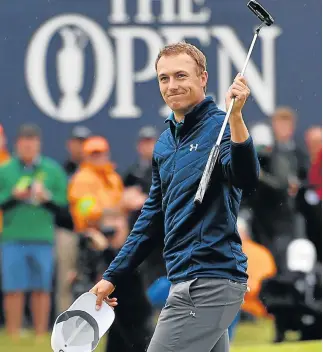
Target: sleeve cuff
{"points": [[110, 279]]}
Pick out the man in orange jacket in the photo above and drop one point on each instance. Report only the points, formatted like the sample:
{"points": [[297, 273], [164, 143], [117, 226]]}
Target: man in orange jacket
{"points": [[97, 187]]}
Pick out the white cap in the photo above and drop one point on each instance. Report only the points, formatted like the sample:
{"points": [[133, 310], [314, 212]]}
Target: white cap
{"points": [[301, 255], [80, 328]]}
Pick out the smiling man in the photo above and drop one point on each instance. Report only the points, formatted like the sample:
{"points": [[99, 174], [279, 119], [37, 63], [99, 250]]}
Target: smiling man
{"points": [[202, 247]]}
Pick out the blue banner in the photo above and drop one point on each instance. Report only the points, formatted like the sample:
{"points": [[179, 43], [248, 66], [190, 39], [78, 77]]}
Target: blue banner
{"points": [[91, 62]]}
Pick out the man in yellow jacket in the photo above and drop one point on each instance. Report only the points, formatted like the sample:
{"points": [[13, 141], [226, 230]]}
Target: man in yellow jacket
{"points": [[97, 187]]}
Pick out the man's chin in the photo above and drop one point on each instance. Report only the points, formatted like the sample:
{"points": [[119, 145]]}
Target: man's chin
{"points": [[177, 106]]}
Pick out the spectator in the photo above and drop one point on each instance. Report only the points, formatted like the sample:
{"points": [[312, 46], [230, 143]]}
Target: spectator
{"points": [[139, 174], [66, 241], [274, 187], [284, 124], [32, 189], [75, 148], [99, 205], [96, 186]]}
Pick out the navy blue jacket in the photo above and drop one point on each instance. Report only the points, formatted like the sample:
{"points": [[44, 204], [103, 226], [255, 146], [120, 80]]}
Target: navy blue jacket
{"points": [[199, 241]]}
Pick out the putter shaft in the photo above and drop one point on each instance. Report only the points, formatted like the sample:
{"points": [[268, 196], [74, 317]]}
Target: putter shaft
{"points": [[216, 148]]}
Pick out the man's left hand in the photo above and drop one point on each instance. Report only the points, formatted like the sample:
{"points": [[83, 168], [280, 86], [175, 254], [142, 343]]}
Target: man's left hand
{"points": [[240, 91]]}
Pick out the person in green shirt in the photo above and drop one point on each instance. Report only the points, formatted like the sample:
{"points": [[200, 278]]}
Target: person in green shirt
{"points": [[32, 191]]}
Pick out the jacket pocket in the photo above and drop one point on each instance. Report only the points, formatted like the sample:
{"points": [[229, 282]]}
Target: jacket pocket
{"points": [[241, 259]]}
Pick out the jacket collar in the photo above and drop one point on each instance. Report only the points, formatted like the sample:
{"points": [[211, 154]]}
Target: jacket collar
{"points": [[197, 112]]}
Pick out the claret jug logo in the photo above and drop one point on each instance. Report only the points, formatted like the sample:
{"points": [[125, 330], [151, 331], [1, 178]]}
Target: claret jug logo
{"points": [[76, 32]]}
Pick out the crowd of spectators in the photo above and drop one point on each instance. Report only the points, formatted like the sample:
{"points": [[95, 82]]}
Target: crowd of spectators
{"points": [[61, 225]]}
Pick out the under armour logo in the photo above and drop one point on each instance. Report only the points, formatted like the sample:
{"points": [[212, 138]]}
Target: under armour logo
{"points": [[193, 147], [192, 313]]}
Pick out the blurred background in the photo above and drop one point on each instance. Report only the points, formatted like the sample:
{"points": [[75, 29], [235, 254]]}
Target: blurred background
{"points": [[80, 114]]}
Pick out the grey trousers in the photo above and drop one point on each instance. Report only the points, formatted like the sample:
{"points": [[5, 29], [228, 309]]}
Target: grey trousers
{"points": [[197, 315]]}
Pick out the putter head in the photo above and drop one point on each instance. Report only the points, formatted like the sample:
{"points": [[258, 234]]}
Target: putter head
{"points": [[260, 12]]}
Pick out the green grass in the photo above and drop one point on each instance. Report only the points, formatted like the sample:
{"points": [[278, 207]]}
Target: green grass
{"points": [[250, 337]]}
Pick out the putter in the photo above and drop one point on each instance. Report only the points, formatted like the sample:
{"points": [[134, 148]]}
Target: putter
{"points": [[266, 19]]}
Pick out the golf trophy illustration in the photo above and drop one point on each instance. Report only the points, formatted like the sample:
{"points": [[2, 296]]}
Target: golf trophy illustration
{"points": [[70, 72]]}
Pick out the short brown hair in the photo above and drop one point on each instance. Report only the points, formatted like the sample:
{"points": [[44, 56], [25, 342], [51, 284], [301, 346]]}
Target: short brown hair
{"points": [[285, 113], [184, 48]]}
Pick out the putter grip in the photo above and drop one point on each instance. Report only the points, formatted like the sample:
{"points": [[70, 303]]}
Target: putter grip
{"points": [[213, 157]]}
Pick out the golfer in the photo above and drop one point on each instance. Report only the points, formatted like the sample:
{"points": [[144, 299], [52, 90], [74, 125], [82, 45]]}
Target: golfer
{"points": [[202, 247]]}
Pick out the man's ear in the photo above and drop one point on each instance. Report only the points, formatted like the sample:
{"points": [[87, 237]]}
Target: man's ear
{"points": [[204, 79]]}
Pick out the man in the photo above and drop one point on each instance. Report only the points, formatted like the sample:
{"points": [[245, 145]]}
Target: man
{"points": [[203, 252], [284, 124], [274, 186], [139, 174], [32, 189], [75, 148], [96, 186]]}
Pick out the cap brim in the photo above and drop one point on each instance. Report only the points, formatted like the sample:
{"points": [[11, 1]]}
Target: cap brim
{"points": [[87, 302]]}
